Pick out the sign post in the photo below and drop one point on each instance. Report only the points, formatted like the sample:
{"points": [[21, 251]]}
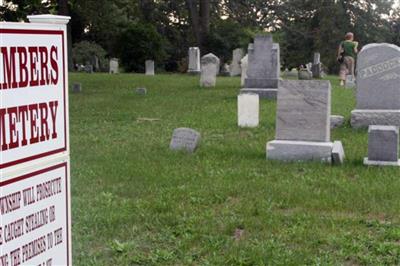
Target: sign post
{"points": [[35, 223]]}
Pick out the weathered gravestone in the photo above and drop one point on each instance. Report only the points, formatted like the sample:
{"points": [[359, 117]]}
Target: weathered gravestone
{"points": [[248, 110], [316, 68], [185, 139], [76, 88], [336, 121], [194, 60], [302, 122], [225, 70], [235, 69], [209, 70], [263, 71], [244, 66], [383, 146], [149, 64], [114, 66], [95, 63], [378, 89], [141, 91], [305, 74], [89, 68], [350, 82]]}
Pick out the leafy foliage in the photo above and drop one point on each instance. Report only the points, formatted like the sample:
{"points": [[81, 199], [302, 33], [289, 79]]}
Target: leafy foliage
{"points": [[139, 43], [83, 52]]}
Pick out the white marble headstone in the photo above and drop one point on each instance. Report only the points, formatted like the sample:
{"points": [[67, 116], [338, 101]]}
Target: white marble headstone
{"points": [[248, 110]]}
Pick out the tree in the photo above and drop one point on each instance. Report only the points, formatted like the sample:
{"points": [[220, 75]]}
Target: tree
{"points": [[200, 20]]}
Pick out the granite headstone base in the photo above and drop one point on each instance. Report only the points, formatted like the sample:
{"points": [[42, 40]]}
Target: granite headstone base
{"points": [[289, 150], [364, 118], [263, 93]]}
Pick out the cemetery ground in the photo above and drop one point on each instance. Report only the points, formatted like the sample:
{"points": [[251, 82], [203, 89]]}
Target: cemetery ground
{"points": [[135, 202]]}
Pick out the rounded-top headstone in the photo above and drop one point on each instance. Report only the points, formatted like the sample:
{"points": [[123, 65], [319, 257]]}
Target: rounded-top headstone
{"points": [[378, 77]]}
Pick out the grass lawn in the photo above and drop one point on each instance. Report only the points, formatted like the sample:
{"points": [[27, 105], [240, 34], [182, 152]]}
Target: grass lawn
{"points": [[135, 202]]}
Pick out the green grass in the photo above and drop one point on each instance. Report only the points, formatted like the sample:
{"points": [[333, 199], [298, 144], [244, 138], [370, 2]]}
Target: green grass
{"points": [[135, 202]]}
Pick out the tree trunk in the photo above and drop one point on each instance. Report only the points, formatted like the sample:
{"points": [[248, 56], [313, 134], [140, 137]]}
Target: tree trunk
{"points": [[63, 10], [195, 21]]}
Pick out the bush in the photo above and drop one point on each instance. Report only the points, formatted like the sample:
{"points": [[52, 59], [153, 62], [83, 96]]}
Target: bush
{"points": [[83, 53], [139, 43]]}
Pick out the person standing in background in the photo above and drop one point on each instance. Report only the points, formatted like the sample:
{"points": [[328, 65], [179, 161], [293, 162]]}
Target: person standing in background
{"points": [[346, 56]]}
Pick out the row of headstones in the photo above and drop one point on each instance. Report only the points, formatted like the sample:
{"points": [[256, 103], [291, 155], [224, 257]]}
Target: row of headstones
{"points": [[114, 67], [303, 112], [312, 70]]}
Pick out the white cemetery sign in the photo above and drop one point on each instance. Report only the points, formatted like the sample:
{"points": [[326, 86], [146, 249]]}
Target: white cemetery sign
{"points": [[34, 143]]}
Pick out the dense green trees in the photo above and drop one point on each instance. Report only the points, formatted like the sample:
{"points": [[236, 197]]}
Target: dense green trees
{"points": [[169, 27]]}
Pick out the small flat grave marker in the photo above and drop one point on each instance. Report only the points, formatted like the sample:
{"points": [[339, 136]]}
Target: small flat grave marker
{"points": [[185, 139]]}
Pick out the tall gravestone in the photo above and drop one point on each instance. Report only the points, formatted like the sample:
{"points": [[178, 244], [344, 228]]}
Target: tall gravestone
{"points": [[378, 89], [263, 71], [209, 70], [194, 60], [316, 68], [244, 65], [302, 122], [149, 64], [235, 69], [114, 66]]}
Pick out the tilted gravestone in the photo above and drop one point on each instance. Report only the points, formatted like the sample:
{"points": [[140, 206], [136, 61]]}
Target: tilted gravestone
{"points": [[383, 146], [194, 60], [185, 139], [302, 122], [244, 66], [248, 110], [263, 71], [114, 66], [235, 69], [209, 70], [378, 90], [149, 64]]}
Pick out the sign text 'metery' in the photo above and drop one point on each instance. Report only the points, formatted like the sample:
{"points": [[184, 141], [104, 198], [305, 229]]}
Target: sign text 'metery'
{"points": [[33, 95]]}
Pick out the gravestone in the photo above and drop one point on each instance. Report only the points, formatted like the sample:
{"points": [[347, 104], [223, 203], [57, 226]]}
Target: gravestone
{"points": [[243, 66], [209, 70], [95, 63], [194, 60], [225, 70], [89, 68], [336, 121], [302, 122], [383, 145], [293, 73], [378, 90], [141, 91], [338, 155], [305, 74], [263, 72], [350, 82], [248, 110], [76, 88], [114, 65], [235, 69], [316, 68], [185, 139], [149, 64]]}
